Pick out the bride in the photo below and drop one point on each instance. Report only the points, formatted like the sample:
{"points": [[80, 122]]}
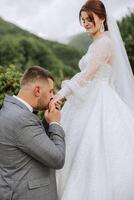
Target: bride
{"points": [[98, 116]]}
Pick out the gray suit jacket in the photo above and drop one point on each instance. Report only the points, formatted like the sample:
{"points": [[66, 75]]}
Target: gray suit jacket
{"points": [[28, 156]]}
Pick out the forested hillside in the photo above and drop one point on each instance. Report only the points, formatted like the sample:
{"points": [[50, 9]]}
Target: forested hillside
{"points": [[20, 49], [23, 49]]}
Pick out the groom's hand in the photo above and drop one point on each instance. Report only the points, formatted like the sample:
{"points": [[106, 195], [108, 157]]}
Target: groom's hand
{"points": [[53, 114]]}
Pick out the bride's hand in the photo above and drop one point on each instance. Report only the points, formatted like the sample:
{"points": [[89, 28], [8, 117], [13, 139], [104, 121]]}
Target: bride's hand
{"points": [[57, 101]]}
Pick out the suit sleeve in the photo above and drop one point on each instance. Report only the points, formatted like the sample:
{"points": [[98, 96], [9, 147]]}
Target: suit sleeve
{"points": [[33, 140]]}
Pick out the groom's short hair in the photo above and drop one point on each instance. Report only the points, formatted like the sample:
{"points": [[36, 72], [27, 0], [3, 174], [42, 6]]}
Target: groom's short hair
{"points": [[34, 74]]}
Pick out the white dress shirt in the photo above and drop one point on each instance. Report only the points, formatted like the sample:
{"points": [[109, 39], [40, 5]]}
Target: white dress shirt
{"points": [[24, 102]]}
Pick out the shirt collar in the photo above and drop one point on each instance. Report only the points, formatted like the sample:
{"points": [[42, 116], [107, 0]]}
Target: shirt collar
{"points": [[24, 102]]}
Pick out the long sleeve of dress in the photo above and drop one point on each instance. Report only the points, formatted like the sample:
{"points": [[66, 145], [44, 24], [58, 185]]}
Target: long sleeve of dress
{"points": [[98, 54]]}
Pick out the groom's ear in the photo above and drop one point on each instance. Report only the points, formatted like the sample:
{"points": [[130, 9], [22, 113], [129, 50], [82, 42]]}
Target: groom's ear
{"points": [[37, 91]]}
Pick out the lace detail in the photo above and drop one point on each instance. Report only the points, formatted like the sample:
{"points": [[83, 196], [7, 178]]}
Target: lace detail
{"points": [[96, 63]]}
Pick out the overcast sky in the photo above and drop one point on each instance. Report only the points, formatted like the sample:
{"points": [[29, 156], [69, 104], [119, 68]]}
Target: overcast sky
{"points": [[53, 19]]}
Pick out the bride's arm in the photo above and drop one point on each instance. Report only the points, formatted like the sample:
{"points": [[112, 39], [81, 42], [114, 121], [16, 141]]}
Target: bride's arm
{"points": [[100, 54]]}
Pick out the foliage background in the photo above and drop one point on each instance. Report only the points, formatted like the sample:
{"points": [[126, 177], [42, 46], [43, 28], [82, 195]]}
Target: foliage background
{"points": [[20, 49]]}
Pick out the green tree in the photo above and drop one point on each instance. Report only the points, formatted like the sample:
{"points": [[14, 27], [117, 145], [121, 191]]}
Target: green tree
{"points": [[126, 26], [81, 41], [24, 49], [9, 81]]}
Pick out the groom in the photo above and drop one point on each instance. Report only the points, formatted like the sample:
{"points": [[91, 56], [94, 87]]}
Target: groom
{"points": [[29, 155]]}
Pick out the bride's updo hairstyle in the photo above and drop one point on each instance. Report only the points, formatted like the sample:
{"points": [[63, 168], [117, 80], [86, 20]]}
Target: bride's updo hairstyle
{"points": [[97, 7]]}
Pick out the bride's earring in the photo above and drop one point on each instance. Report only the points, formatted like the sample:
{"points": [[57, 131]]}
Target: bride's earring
{"points": [[102, 28]]}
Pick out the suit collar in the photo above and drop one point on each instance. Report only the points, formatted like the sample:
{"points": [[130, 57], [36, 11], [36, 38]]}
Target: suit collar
{"points": [[11, 99], [24, 102]]}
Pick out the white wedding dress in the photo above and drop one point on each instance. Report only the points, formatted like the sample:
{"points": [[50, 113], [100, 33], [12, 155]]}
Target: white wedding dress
{"points": [[99, 128]]}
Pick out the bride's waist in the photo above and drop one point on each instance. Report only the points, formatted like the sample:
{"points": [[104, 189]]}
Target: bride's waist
{"points": [[96, 82], [97, 78], [101, 76]]}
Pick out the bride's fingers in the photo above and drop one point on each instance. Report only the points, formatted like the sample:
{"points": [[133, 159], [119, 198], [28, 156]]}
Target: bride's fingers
{"points": [[58, 102], [58, 106], [54, 101]]}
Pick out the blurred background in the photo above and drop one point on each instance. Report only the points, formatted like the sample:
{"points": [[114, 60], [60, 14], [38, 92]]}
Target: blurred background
{"points": [[48, 33]]}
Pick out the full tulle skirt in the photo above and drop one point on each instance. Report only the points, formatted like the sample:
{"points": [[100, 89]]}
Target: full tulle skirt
{"points": [[99, 129]]}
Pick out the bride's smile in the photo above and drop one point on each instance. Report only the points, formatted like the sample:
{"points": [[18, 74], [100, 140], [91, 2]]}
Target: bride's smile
{"points": [[92, 23]]}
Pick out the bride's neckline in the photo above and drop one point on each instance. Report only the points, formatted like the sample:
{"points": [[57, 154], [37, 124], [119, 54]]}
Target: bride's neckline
{"points": [[96, 40], [100, 37]]}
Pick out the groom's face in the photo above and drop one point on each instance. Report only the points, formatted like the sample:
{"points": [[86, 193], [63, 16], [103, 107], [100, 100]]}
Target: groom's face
{"points": [[46, 94]]}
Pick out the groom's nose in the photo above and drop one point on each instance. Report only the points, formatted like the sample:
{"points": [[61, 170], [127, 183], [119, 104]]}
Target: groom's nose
{"points": [[52, 95]]}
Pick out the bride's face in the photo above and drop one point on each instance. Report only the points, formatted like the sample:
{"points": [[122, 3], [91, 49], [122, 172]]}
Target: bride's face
{"points": [[91, 27]]}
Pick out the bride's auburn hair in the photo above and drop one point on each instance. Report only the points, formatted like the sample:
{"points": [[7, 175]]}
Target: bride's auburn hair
{"points": [[97, 7]]}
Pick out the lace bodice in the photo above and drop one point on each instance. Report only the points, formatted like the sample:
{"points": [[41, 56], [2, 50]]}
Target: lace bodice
{"points": [[105, 68], [95, 64]]}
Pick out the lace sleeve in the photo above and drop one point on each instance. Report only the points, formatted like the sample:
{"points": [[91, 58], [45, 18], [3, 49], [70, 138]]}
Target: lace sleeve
{"points": [[100, 53]]}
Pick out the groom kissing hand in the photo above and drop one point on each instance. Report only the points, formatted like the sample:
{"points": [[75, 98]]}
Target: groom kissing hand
{"points": [[29, 154]]}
